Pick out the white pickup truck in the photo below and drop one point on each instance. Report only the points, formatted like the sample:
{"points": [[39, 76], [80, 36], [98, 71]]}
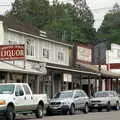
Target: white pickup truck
{"points": [[18, 98]]}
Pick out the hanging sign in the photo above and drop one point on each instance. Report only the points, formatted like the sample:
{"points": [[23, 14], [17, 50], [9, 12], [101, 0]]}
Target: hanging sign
{"points": [[12, 52]]}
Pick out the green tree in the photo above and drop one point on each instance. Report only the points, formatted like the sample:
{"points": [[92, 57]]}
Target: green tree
{"points": [[63, 22], [110, 27], [31, 11]]}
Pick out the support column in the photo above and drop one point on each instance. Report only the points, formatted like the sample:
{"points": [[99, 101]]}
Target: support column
{"points": [[117, 84], [8, 77], [89, 87], [95, 85], [38, 85], [100, 83], [111, 84], [80, 82]]}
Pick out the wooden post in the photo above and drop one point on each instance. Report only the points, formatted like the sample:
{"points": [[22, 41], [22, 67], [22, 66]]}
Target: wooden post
{"points": [[117, 83], [89, 87]]}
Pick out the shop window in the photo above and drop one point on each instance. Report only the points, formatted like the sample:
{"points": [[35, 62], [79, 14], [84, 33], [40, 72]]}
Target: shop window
{"points": [[45, 53], [30, 48], [60, 56]]}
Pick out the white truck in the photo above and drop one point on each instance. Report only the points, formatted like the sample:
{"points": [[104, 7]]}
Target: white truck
{"points": [[18, 98]]}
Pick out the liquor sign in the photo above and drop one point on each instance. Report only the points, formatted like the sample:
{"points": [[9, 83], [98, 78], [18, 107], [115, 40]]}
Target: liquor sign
{"points": [[84, 54], [12, 52]]}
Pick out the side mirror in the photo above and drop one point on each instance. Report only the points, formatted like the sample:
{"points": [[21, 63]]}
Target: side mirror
{"points": [[16, 93]]}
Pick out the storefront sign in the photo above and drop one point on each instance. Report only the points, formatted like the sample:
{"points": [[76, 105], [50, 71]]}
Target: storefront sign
{"points": [[67, 77], [41, 67], [84, 54], [12, 52]]}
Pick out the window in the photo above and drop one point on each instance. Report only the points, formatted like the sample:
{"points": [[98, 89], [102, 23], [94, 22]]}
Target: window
{"points": [[45, 53], [27, 91], [19, 91], [30, 48], [60, 56], [78, 94]]}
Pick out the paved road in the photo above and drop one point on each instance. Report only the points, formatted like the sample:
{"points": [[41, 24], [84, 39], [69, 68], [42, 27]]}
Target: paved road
{"points": [[113, 115]]}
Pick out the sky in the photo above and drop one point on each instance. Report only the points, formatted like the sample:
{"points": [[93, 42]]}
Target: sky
{"points": [[98, 7]]}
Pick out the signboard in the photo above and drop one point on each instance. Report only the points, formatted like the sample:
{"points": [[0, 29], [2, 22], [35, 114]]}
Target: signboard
{"points": [[84, 54], [12, 52], [67, 77]]}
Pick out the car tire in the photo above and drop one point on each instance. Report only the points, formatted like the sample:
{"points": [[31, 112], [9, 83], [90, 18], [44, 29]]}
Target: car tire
{"points": [[90, 109], [86, 109], [49, 113], [39, 111], [72, 109], [117, 107], [64, 112], [10, 113], [99, 109], [108, 107]]}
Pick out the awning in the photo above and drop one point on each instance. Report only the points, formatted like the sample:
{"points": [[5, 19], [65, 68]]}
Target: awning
{"points": [[103, 72], [7, 67]]}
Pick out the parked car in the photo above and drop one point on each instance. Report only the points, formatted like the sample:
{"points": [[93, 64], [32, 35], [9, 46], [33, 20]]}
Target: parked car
{"points": [[104, 99], [18, 98], [68, 101]]}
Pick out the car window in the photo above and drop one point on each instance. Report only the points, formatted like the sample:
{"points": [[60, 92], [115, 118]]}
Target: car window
{"points": [[101, 94], [83, 94], [19, 91], [78, 94], [111, 94], [67, 94], [27, 91]]}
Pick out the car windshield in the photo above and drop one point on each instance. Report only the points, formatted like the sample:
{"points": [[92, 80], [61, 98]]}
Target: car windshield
{"points": [[66, 94], [101, 94], [6, 89]]}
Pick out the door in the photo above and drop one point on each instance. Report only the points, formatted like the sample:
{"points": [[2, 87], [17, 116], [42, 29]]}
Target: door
{"points": [[78, 100], [19, 98], [28, 98]]}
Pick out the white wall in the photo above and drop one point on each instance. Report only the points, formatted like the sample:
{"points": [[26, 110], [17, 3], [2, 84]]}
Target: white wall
{"points": [[1, 33], [39, 44], [113, 55]]}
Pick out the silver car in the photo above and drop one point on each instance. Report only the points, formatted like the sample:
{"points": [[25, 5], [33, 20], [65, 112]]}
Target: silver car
{"points": [[104, 99], [68, 101]]}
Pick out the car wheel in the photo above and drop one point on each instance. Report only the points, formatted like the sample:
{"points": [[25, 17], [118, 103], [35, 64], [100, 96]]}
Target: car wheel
{"points": [[39, 111], [117, 106], [99, 109], [108, 107], [10, 113], [49, 113], [86, 108], [90, 109], [64, 112], [72, 109]]}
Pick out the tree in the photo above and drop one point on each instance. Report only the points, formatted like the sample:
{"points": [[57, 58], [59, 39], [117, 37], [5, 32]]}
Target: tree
{"points": [[110, 27], [63, 22], [31, 11]]}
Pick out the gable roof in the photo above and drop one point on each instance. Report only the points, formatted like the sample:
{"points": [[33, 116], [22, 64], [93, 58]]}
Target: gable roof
{"points": [[13, 23]]}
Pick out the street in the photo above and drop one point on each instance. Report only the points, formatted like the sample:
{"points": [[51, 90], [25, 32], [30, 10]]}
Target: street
{"points": [[113, 115]]}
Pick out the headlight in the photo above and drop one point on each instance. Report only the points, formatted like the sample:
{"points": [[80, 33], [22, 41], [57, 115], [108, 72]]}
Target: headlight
{"points": [[2, 102]]}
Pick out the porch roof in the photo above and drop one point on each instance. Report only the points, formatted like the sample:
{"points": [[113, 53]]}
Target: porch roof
{"points": [[7, 67]]}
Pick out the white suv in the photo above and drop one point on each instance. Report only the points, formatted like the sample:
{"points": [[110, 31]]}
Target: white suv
{"points": [[104, 99], [68, 101]]}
